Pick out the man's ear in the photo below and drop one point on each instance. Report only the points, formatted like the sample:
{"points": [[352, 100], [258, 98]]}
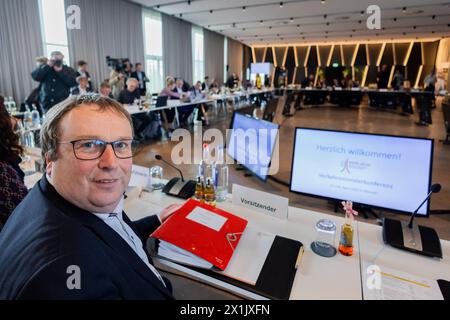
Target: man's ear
{"points": [[49, 165]]}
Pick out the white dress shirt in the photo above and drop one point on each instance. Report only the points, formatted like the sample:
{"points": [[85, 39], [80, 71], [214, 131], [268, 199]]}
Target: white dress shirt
{"points": [[115, 221]]}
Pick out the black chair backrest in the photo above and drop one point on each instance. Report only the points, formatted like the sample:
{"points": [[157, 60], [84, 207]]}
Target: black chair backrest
{"points": [[446, 113], [246, 110], [270, 109]]}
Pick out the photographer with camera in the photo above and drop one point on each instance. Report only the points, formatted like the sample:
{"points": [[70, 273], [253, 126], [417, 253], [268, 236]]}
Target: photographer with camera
{"points": [[55, 79], [117, 80]]}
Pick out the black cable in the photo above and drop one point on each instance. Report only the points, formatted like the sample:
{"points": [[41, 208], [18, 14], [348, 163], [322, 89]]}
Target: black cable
{"points": [[438, 212], [284, 183]]}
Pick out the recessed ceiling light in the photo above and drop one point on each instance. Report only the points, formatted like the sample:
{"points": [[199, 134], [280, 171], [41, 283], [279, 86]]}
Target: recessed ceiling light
{"points": [[328, 23], [210, 11], [395, 19], [404, 10], [322, 1], [181, 15], [243, 8], [433, 17], [298, 26], [362, 13], [261, 22], [270, 27], [189, 2], [359, 21], [414, 27], [324, 16], [281, 4], [243, 29], [292, 20]]}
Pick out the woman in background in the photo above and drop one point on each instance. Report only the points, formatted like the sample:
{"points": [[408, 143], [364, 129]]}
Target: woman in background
{"points": [[12, 188]]}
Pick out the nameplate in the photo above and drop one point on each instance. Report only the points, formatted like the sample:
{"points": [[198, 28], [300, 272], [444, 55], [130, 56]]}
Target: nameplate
{"points": [[173, 103], [272, 205], [140, 177]]}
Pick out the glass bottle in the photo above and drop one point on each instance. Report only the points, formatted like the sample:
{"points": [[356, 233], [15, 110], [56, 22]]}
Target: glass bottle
{"points": [[346, 240], [199, 190], [36, 118], [205, 168], [210, 195], [28, 118], [221, 175]]}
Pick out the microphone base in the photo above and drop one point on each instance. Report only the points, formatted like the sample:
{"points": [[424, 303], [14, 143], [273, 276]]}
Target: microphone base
{"points": [[419, 239], [180, 189]]}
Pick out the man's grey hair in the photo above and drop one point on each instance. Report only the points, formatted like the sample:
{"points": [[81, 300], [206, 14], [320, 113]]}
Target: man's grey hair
{"points": [[51, 130], [132, 80]]}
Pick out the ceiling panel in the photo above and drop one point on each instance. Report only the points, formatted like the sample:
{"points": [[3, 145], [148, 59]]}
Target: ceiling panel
{"points": [[265, 22]]}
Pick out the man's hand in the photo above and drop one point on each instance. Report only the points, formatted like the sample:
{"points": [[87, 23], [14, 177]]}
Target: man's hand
{"points": [[168, 211]]}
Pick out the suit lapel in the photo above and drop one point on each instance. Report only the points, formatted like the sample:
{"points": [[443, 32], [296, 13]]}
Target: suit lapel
{"points": [[105, 233]]}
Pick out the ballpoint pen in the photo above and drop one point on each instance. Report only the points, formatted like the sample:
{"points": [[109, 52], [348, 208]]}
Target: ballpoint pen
{"points": [[299, 257]]}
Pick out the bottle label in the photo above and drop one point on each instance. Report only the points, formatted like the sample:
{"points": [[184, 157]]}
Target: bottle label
{"points": [[347, 236]]}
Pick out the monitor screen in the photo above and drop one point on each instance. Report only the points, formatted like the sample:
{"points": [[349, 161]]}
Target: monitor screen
{"points": [[262, 68], [388, 172], [251, 143]]}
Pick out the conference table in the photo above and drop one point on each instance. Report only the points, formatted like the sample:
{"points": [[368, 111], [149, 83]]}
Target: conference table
{"points": [[339, 277]]}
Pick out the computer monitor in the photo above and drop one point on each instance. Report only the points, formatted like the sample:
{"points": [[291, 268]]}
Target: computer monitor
{"points": [[251, 143], [380, 171]]}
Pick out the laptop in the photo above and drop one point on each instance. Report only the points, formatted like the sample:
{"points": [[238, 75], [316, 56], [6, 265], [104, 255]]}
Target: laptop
{"points": [[161, 101]]}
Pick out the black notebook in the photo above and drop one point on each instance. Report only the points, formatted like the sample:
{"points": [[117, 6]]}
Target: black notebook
{"points": [[277, 274], [445, 288]]}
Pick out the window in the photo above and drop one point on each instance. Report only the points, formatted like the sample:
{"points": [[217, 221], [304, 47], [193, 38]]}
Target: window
{"points": [[198, 54], [53, 26], [153, 51]]}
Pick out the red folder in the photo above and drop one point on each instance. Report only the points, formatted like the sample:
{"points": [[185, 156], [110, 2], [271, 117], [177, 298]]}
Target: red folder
{"points": [[216, 247]]}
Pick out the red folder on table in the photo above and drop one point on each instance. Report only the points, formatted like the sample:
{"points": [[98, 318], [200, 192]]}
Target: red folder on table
{"points": [[208, 232]]}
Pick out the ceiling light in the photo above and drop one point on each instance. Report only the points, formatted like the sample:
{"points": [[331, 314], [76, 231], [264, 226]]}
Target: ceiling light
{"points": [[298, 26], [181, 15], [414, 27], [243, 29], [243, 8], [395, 19], [322, 1], [189, 2], [281, 4], [360, 21], [292, 20], [210, 11], [261, 22], [433, 17], [270, 27], [362, 13], [404, 10], [234, 24], [328, 23], [324, 16]]}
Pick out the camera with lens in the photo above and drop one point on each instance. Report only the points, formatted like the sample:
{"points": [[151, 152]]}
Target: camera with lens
{"points": [[117, 64], [58, 63]]}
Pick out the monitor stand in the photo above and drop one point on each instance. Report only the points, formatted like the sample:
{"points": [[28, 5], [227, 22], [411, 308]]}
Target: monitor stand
{"points": [[362, 210], [247, 173]]}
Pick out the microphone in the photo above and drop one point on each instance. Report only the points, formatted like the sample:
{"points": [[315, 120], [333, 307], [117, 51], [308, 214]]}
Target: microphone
{"points": [[177, 187], [159, 157], [407, 236], [435, 188]]}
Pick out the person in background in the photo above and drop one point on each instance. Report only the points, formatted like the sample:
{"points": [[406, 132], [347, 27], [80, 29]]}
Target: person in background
{"points": [[131, 93], [308, 82], [42, 60], [83, 86], [214, 87], [233, 81], [55, 79], [105, 89], [139, 74], [169, 114], [383, 77], [258, 82], [197, 94], [12, 188], [117, 81], [429, 82], [74, 216], [83, 71], [397, 80], [206, 84], [186, 111], [282, 77], [128, 70]]}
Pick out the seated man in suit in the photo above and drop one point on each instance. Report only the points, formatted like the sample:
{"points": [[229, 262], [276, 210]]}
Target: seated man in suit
{"points": [[197, 94], [105, 89], [131, 93], [82, 88], [69, 238]]}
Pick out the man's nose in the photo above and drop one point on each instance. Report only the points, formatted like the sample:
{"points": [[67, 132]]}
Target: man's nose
{"points": [[108, 158]]}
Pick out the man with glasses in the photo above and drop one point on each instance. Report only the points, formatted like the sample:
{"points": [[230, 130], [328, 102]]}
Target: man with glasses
{"points": [[69, 238]]}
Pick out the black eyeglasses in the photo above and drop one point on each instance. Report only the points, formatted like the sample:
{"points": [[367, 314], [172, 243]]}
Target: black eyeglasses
{"points": [[91, 149]]}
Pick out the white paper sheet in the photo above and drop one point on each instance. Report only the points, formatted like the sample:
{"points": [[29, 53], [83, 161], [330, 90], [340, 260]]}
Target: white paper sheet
{"points": [[207, 218], [382, 283]]}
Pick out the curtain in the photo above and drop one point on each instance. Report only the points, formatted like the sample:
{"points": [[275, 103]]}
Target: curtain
{"points": [[20, 44], [177, 47], [235, 57], [213, 55], [108, 28]]}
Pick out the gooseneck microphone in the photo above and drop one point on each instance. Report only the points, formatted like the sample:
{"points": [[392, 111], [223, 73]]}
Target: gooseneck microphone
{"points": [[159, 157], [411, 237], [177, 187], [435, 188]]}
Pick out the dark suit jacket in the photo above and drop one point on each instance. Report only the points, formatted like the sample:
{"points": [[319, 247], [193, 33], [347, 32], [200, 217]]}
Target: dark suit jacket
{"points": [[144, 79], [46, 235]]}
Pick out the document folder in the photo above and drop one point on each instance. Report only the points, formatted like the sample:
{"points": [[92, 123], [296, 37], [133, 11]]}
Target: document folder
{"points": [[277, 275], [208, 232]]}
